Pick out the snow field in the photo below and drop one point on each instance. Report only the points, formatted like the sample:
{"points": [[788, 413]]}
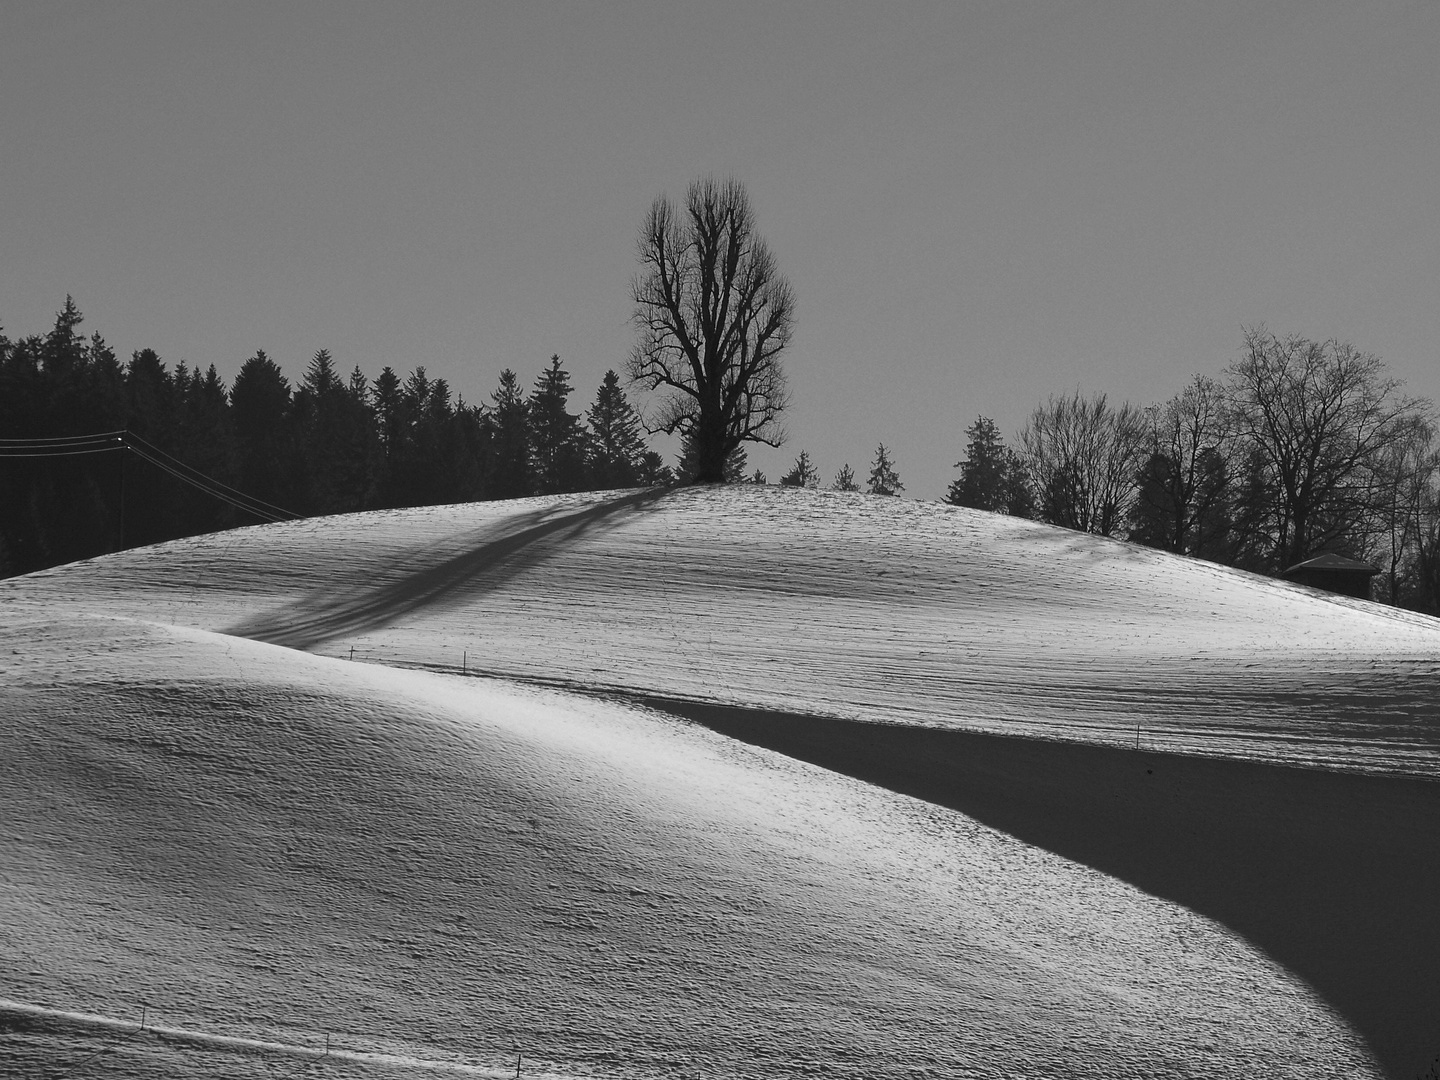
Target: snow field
{"points": [[267, 844], [822, 602], [212, 810]]}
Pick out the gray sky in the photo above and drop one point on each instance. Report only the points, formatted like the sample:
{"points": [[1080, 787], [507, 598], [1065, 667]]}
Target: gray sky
{"points": [[977, 204]]}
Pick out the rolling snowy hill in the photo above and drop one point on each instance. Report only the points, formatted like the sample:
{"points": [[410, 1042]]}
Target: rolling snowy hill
{"points": [[213, 810]]}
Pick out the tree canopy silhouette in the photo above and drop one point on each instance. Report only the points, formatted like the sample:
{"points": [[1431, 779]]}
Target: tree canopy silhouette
{"points": [[714, 316]]}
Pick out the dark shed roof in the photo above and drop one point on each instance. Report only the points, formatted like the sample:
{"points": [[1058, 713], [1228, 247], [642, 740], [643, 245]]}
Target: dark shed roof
{"points": [[1331, 561]]}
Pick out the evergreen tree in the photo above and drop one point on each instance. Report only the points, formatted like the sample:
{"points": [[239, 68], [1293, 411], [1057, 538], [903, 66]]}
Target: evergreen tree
{"points": [[803, 474], [512, 476], [884, 480], [204, 441], [151, 398], [260, 406], [104, 409], [735, 466], [844, 480], [654, 472], [64, 349], [556, 446], [385, 401], [411, 421], [735, 463], [154, 500], [992, 476], [757, 477], [336, 434], [320, 378], [616, 448]]}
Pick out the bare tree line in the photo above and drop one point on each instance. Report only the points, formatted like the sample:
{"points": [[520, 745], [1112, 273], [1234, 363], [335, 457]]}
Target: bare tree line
{"points": [[1299, 447]]}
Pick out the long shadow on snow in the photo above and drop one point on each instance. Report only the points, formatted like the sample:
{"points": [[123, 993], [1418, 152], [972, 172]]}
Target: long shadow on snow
{"points": [[1335, 876], [317, 619]]}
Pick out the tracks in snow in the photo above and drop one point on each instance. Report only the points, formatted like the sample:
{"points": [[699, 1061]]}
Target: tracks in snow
{"points": [[318, 619], [60, 1023]]}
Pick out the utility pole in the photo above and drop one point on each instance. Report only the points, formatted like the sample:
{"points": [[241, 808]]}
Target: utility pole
{"points": [[124, 446]]}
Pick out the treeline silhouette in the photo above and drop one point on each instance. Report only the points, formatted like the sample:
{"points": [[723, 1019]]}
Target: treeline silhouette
{"points": [[98, 455], [1299, 448]]}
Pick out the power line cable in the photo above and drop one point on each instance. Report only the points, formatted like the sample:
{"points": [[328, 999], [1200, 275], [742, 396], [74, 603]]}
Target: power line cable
{"points": [[61, 438], [6, 452], [165, 467], [106, 442], [134, 439], [60, 446]]}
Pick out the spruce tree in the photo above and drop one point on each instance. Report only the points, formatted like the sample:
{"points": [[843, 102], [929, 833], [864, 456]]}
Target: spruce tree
{"points": [[654, 472], [336, 433], [615, 447], [803, 474], [844, 479], [320, 378], [884, 480], [735, 464], [510, 416], [556, 445], [992, 476], [260, 407], [385, 400], [64, 348]]}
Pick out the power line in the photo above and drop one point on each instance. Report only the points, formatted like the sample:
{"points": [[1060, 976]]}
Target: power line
{"points": [[263, 515], [69, 444], [6, 452], [133, 439], [62, 438], [106, 442]]}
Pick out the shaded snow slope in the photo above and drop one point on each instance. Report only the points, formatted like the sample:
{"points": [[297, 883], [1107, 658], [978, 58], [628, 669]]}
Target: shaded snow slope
{"points": [[842, 605], [271, 845]]}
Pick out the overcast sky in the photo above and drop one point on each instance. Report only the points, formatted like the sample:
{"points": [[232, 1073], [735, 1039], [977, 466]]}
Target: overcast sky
{"points": [[977, 204]]}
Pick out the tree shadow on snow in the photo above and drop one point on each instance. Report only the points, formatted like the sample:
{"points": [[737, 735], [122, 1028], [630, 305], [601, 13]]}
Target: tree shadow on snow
{"points": [[499, 554], [1335, 876]]}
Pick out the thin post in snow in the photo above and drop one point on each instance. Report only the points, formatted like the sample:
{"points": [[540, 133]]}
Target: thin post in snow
{"points": [[517, 1065], [464, 662]]}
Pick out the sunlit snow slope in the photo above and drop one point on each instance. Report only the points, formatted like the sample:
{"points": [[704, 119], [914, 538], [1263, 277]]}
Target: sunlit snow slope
{"points": [[846, 605], [272, 844]]}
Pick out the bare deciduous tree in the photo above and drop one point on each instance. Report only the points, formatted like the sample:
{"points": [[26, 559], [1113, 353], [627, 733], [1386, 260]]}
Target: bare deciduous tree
{"points": [[1403, 511], [713, 316], [1083, 458], [1319, 415], [1179, 505]]}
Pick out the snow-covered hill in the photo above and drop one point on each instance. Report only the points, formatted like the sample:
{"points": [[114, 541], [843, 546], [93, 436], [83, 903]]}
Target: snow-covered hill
{"points": [[273, 844], [846, 605]]}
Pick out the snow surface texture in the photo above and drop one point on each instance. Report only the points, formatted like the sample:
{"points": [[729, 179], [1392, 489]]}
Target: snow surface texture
{"points": [[271, 844], [268, 845], [829, 603]]}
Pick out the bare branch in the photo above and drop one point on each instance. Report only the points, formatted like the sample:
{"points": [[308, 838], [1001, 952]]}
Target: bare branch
{"points": [[713, 316]]}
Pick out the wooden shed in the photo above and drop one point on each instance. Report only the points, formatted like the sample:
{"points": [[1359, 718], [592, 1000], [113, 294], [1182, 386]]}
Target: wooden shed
{"points": [[1335, 573]]}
